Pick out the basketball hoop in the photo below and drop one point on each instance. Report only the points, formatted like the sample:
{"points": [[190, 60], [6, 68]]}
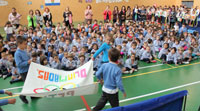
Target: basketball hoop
{"points": [[3, 3]]}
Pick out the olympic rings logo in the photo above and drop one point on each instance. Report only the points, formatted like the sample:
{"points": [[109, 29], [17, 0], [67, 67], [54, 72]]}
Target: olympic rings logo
{"points": [[53, 87]]}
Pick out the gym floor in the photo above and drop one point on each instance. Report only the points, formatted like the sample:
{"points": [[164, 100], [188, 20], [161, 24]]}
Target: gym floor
{"points": [[152, 80]]}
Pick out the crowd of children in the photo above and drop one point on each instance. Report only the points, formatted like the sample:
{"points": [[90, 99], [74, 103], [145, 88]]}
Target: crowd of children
{"points": [[67, 48]]}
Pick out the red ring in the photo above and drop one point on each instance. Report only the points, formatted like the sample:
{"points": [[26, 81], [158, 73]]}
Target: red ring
{"points": [[38, 89]]}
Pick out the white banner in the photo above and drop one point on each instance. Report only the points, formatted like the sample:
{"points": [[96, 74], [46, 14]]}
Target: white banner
{"points": [[43, 81]]}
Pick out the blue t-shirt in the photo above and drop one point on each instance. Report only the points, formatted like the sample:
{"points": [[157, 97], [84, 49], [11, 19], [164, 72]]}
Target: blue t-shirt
{"points": [[21, 59], [104, 48]]}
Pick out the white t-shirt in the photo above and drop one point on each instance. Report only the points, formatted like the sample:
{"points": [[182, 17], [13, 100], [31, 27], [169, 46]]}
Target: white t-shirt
{"points": [[14, 19]]}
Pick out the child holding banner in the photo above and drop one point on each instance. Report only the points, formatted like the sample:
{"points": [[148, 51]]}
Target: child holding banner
{"points": [[22, 61], [111, 74]]}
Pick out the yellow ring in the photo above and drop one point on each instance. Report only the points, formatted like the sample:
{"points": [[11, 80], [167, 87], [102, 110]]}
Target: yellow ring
{"points": [[61, 87]]}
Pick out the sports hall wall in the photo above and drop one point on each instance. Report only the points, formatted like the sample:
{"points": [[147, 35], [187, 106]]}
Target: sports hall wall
{"points": [[76, 7]]}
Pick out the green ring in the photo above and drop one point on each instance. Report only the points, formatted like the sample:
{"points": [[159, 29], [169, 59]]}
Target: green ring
{"points": [[51, 85]]}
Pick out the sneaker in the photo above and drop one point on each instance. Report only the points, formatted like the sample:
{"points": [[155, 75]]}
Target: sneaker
{"points": [[35, 98], [136, 70], [23, 98], [154, 61], [163, 62], [1, 75], [126, 72], [195, 58], [131, 71], [4, 77], [185, 62], [11, 82]]}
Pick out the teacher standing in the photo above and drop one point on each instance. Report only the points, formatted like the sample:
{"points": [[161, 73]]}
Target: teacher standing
{"points": [[67, 15], [14, 18], [88, 14], [47, 17], [32, 21]]}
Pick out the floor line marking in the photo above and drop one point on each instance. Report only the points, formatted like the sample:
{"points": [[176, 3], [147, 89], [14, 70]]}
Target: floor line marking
{"points": [[166, 64], [150, 94], [85, 103], [150, 66], [8, 97], [13, 88], [140, 74]]}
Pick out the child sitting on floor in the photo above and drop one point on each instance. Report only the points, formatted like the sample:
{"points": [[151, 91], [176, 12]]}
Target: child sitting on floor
{"points": [[180, 55], [3, 65], [163, 52], [147, 57], [131, 65], [9, 66], [172, 57], [187, 56], [15, 75]]}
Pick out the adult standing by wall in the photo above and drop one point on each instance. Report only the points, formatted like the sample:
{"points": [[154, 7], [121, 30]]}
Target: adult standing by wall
{"points": [[39, 18], [88, 14], [122, 15], [135, 13], [67, 15], [172, 17], [107, 14], [47, 16], [115, 14], [128, 14], [14, 18], [32, 21]]}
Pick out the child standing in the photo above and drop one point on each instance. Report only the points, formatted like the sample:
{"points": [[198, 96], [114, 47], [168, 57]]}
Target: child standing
{"points": [[22, 61], [111, 74], [9, 30], [104, 48]]}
